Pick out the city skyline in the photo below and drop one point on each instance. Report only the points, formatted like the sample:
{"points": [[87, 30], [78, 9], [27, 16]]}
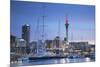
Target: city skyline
{"points": [[81, 19]]}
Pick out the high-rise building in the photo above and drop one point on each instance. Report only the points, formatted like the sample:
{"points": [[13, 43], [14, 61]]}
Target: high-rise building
{"points": [[66, 25], [12, 48], [12, 41], [26, 33], [48, 43]]}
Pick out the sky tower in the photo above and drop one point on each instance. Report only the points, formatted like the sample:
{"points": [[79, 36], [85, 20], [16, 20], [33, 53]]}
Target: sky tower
{"points": [[66, 25]]}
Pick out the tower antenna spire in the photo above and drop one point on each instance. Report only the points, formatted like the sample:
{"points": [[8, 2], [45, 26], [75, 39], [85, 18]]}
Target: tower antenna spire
{"points": [[66, 25]]}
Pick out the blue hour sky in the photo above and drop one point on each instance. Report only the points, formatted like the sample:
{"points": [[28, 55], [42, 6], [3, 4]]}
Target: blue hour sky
{"points": [[81, 19]]}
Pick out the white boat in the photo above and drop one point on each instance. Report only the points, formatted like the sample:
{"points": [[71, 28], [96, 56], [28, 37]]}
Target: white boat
{"points": [[23, 59]]}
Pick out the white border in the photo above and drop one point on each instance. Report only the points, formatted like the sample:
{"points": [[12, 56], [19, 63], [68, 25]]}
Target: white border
{"points": [[85, 2], [5, 32]]}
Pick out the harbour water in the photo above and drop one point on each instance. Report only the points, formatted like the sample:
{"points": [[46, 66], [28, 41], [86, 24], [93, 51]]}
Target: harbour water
{"points": [[52, 61]]}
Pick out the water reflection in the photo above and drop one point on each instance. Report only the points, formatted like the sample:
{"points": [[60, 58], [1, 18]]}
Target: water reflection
{"points": [[54, 61], [62, 61], [87, 59], [59, 61]]}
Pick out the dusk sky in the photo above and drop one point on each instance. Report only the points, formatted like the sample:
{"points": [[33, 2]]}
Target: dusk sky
{"points": [[81, 19]]}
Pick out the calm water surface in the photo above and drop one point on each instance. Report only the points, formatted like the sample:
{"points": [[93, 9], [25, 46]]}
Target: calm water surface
{"points": [[52, 61]]}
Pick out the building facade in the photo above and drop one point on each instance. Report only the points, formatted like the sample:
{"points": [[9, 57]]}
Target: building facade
{"points": [[26, 33]]}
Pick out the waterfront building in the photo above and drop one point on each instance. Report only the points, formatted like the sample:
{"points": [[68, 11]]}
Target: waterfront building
{"points": [[56, 42], [12, 41], [48, 43], [20, 42], [12, 48], [33, 47], [79, 45], [57, 45], [21, 47], [26, 33], [81, 48]]}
